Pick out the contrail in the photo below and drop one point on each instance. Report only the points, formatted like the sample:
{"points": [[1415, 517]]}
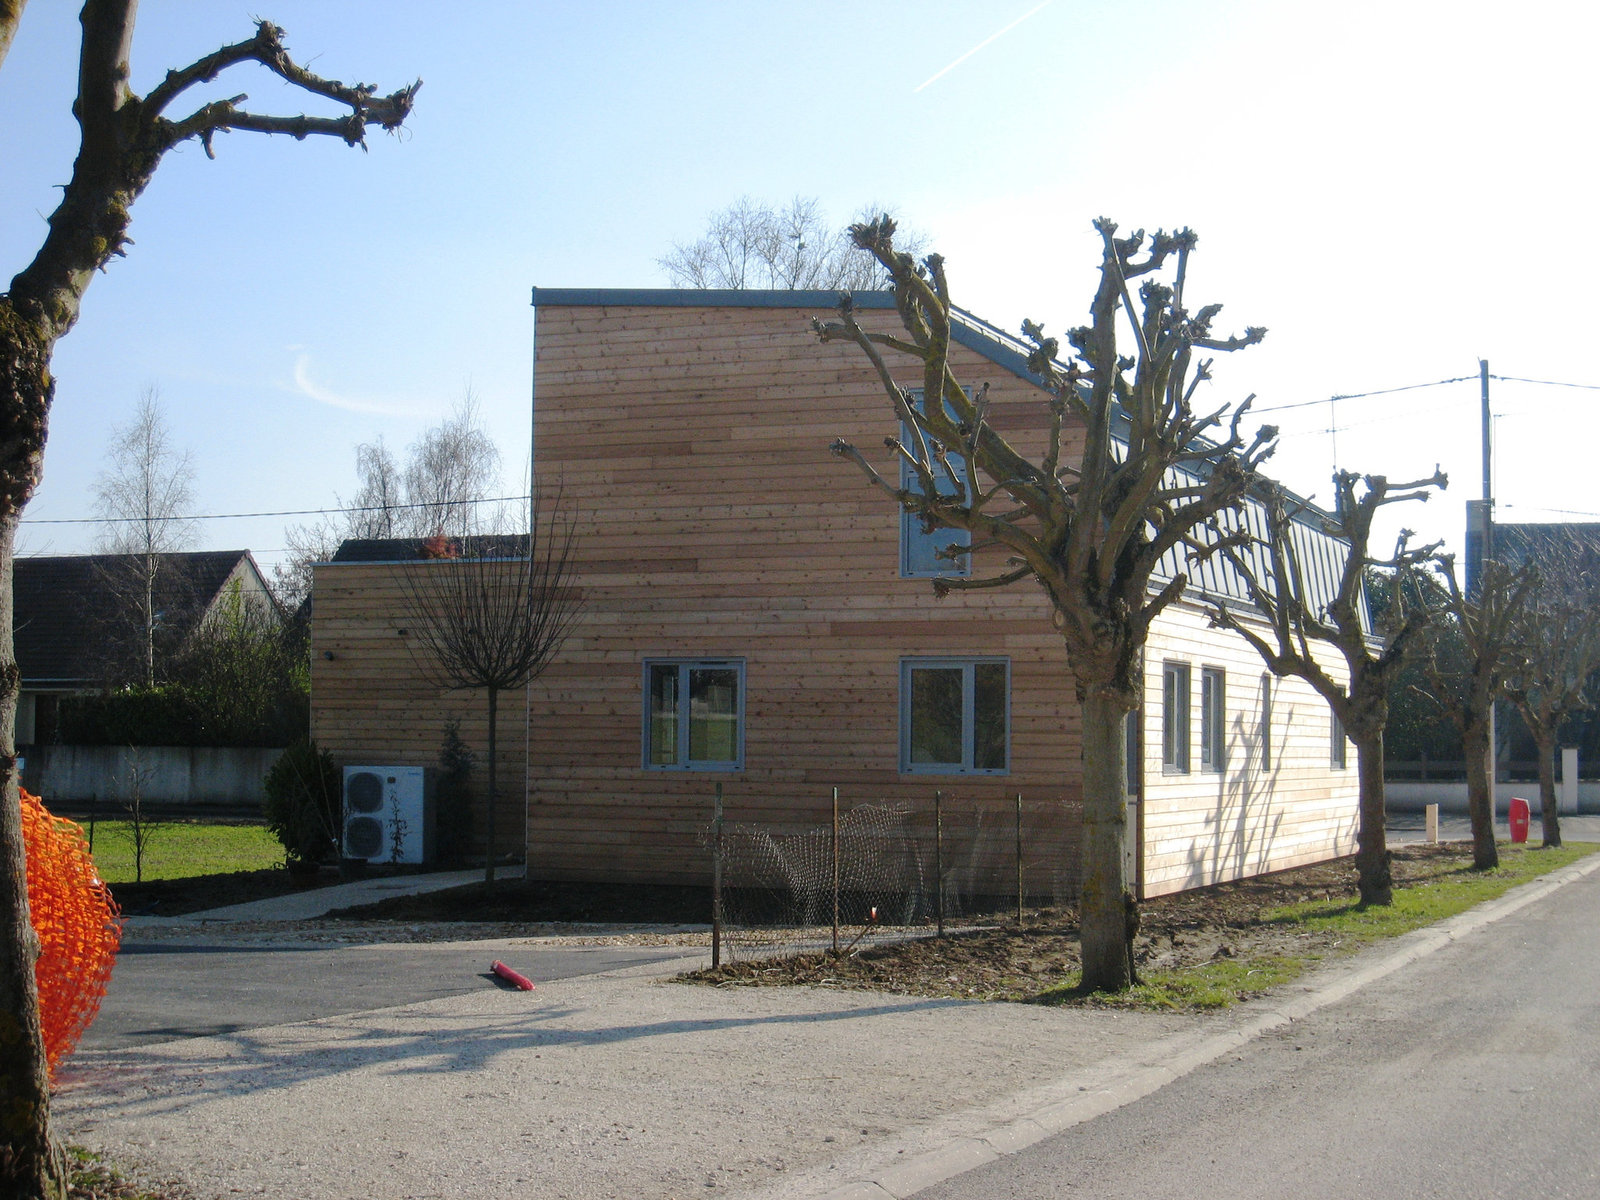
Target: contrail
{"points": [[999, 33]]}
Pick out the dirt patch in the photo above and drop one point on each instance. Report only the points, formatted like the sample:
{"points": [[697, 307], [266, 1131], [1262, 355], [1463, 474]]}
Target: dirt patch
{"points": [[1002, 962]]}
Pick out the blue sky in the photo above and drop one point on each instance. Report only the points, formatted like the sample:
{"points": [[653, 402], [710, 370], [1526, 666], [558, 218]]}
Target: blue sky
{"points": [[1394, 190]]}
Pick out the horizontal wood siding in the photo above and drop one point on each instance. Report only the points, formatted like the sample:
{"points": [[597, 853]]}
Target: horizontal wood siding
{"points": [[1210, 826], [692, 449], [373, 703]]}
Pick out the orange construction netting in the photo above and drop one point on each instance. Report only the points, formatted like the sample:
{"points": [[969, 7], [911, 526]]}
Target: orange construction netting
{"points": [[77, 923]]}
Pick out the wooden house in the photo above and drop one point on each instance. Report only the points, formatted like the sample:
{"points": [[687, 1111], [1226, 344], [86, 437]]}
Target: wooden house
{"points": [[757, 617]]}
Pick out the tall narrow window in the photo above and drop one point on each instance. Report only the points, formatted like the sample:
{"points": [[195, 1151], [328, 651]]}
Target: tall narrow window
{"points": [[1266, 722], [1213, 719], [1336, 758], [694, 714], [1175, 717], [924, 552], [955, 716]]}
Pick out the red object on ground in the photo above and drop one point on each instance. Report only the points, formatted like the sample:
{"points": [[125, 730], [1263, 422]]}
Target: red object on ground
{"points": [[1519, 819], [519, 981]]}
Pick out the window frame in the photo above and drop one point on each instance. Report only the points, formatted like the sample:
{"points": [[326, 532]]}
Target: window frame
{"points": [[1213, 720], [1265, 730], [911, 531], [683, 715], [1176, 717], [1338, 743], [967, 667]]}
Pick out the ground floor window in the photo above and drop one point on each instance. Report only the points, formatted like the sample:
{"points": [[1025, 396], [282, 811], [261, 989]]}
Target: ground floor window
{"points": [[1337, 758], [694, 714], [1213, 719], [955, 716], [1175, 717]]}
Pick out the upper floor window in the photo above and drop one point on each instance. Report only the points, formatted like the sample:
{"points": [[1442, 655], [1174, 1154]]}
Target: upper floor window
{"points": [[925, 552], [694, 714], [955, 716]]}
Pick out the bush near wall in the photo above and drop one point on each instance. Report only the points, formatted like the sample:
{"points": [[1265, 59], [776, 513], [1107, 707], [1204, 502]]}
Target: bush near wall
{"points": [[177, 715]]}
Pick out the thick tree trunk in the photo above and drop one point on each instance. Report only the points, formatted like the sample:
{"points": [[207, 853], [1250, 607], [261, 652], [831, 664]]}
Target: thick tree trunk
{"points": [[31, 1164], [1480, 794], [1373, 879], [1102, 910], [488, 828], [1549, 813]]}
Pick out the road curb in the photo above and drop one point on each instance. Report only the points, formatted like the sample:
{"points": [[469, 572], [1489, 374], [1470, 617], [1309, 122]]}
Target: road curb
{"points": [[1093, 1094]]}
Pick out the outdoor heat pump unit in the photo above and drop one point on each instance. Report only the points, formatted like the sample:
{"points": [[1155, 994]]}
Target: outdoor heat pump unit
{"points": [[388, 814]]}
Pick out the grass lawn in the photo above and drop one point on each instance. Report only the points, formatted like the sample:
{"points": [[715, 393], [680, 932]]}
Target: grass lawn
{"points": [[181, 849], [1337, 926]]}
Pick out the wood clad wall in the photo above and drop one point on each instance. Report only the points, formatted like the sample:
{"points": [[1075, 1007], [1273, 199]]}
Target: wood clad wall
{"points": [[691, 447], [372, 705], [1206, 827]]}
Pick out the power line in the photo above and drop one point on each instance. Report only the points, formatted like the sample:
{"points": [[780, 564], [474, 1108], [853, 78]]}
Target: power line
{"points": [[1588, 387], [1409, 387], [288, 512]]}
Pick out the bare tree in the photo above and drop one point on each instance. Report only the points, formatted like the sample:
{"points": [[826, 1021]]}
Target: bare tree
{"points": [[1090, 533], [1297, 615], [451, 475], [454, 466], [1560, 649], [488, 614], [1466, 674], [752, 244], [123, 138], [141, 496]]}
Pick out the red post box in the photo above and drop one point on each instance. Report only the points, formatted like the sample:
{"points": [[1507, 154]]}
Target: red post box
{"points": [[1519, 819]]}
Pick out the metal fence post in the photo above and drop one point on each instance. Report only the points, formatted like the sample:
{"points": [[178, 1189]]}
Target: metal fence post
{"points": [[938, 859], [836, 870], [716, 880], [1019, 861]]}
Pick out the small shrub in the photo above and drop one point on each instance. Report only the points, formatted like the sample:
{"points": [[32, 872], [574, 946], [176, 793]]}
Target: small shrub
{"points": [[453, 796], [302, 804]]}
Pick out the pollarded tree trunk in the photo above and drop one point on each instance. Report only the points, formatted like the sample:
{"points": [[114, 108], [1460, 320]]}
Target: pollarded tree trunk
{"points": [[1480, 795], [1107, 961], [1549, 813], [1373, 877], [32, 1166]]}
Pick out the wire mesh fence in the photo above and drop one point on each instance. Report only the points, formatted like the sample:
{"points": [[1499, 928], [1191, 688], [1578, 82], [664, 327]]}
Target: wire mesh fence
{"points": [[883, 870]]}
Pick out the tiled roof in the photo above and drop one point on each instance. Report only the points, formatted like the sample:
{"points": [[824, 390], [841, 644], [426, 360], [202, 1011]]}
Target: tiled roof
{"points": [[59, 604]]}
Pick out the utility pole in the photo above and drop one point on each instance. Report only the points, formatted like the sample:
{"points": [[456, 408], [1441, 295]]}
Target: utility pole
{"points": [[1486, 552]]}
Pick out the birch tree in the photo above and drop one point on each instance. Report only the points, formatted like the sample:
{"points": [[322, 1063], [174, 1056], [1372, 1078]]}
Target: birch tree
{"points": [[1298, 619], [123, 138], [1090, 533], [142, 497]]}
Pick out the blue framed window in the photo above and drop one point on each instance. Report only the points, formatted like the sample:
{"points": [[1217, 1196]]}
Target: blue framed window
{"points": [[955, 716], [924, 551], [694, 714], [1175, 718]]}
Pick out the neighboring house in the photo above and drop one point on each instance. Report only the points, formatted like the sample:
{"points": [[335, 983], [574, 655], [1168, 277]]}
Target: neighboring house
{"points": [[76, 617], [758, 616]]}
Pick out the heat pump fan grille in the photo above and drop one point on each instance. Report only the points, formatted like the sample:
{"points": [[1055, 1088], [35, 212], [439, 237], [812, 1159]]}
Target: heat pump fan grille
{"points": [[363, 837], [364, 792]]}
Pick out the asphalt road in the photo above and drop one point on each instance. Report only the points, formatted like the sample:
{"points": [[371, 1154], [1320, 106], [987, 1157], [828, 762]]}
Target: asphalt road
{"points": [[162, 991], [1472, 1073]]}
